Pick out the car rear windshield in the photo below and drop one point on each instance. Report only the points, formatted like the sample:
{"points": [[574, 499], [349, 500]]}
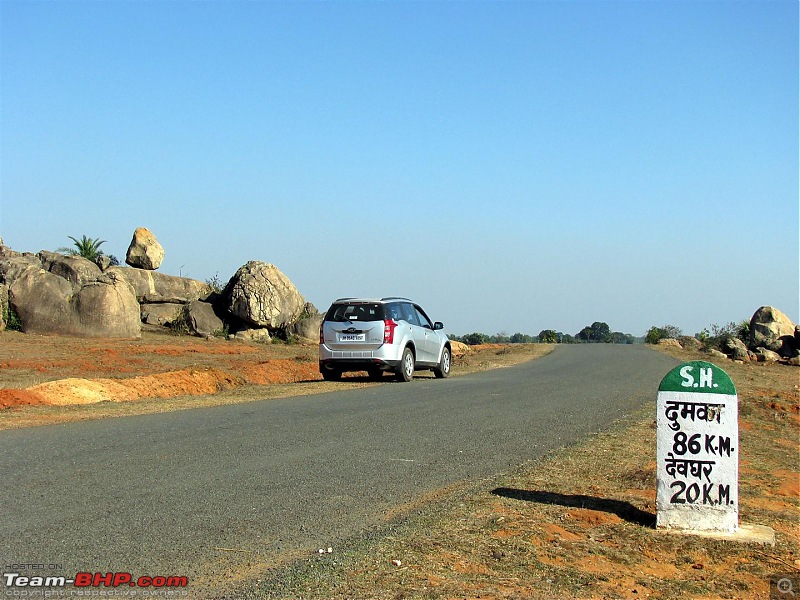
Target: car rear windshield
{"points": [[355, 311]]}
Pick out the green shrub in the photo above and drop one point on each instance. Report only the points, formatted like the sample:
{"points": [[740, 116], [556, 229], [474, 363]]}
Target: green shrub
{"points": [[548, 336], [181, 325], [715, 335], [474, 339], [11, 318], [282, 336], [655, 334], [86, 247], [222, 333], [215, 283]]}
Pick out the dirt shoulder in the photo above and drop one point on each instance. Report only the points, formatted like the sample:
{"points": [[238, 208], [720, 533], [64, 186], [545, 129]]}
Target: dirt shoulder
{"points": [[580, 523], [52, 379]]}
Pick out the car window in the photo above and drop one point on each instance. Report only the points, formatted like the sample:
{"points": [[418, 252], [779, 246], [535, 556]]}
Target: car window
{"points": [[392, 311], [423, 318], [407, 313], [355, 311]]}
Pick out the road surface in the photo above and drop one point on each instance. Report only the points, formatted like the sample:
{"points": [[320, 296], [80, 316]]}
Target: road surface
{"points": [[221, 494]]}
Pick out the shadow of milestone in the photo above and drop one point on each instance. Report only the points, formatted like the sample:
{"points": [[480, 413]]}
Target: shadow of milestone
{"points": [[624, 510]]}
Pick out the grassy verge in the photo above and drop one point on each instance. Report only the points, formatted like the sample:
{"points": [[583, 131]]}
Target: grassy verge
{"points": [[580, 523]]}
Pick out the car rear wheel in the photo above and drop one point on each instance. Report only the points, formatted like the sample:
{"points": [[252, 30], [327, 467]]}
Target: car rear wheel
{"points": [[443, 370], [331, 374], [405, 370]]}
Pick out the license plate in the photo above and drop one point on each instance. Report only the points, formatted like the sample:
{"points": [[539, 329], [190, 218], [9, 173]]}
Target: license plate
{"points": [[352, 337]]}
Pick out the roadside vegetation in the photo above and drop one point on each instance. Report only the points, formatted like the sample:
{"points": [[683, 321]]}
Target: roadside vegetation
{"points": [[713, 336], [10, 318]]}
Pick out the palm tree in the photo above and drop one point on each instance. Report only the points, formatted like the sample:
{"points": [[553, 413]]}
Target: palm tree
{"points": [[86, 247]]}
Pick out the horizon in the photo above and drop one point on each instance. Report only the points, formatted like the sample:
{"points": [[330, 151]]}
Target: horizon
{"points": [[512, 167]]}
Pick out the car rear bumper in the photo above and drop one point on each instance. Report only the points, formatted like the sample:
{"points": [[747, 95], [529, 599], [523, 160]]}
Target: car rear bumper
{"points": [[356, 364]]}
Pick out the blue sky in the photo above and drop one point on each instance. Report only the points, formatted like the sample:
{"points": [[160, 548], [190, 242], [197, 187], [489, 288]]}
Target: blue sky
{"points": [[513, 166]]}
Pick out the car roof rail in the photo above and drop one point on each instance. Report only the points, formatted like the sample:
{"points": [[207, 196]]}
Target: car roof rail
{"points": [[396, 298], [345, 298]]}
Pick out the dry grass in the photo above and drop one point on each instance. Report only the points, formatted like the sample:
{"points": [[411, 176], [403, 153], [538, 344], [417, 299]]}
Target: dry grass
{"points": [[245, 372], [580, 524]]}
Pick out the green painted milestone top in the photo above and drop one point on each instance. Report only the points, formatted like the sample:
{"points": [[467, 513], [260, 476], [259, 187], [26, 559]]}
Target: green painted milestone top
{"points": [[698, 377]]}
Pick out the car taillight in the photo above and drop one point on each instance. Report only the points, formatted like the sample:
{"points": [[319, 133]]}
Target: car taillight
{"points": [[321, 335], [388, 331]]}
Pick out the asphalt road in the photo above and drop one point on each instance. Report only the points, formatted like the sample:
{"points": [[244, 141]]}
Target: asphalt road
{"points": [[221, 494]]}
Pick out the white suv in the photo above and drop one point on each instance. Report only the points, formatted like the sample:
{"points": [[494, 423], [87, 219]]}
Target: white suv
{"points": [[377, 335]]}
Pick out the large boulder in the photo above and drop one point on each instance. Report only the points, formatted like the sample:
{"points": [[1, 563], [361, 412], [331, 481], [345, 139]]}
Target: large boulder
{"points": [[714, 353], [103, 261], [161, 313], [459, 349], [144, 251], [41, 301], [773, 330], [154, 287], [307, 329], [257, 334], [764, 355], [47, 303], [671, 342], [203, 319], [261, 295], [690, 343], [75, 269], [107, 307], [13, 264], [735, 348]]}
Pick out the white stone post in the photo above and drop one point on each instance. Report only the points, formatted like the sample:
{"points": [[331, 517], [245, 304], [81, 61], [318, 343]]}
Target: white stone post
{"points": [[697, 478]]}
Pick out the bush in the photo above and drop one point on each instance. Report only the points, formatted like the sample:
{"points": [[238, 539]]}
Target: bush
{"points": [[522, 338], [11, 319], [743, 331], [655, 334], [282, 336], [548, 336], [181, 324], [88, 248], [473, 339], [715, 335], [215, 283]]}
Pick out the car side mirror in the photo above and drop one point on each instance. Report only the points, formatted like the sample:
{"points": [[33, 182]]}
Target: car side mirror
{"points": [[438, 325]]}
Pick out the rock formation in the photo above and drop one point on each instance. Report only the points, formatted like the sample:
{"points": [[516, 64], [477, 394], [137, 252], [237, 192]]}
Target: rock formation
{"points": [[52, 293], [49, 303]]}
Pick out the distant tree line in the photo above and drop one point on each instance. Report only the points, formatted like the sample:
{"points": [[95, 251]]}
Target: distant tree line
{"points": [[600, 333], [597, 332]]}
